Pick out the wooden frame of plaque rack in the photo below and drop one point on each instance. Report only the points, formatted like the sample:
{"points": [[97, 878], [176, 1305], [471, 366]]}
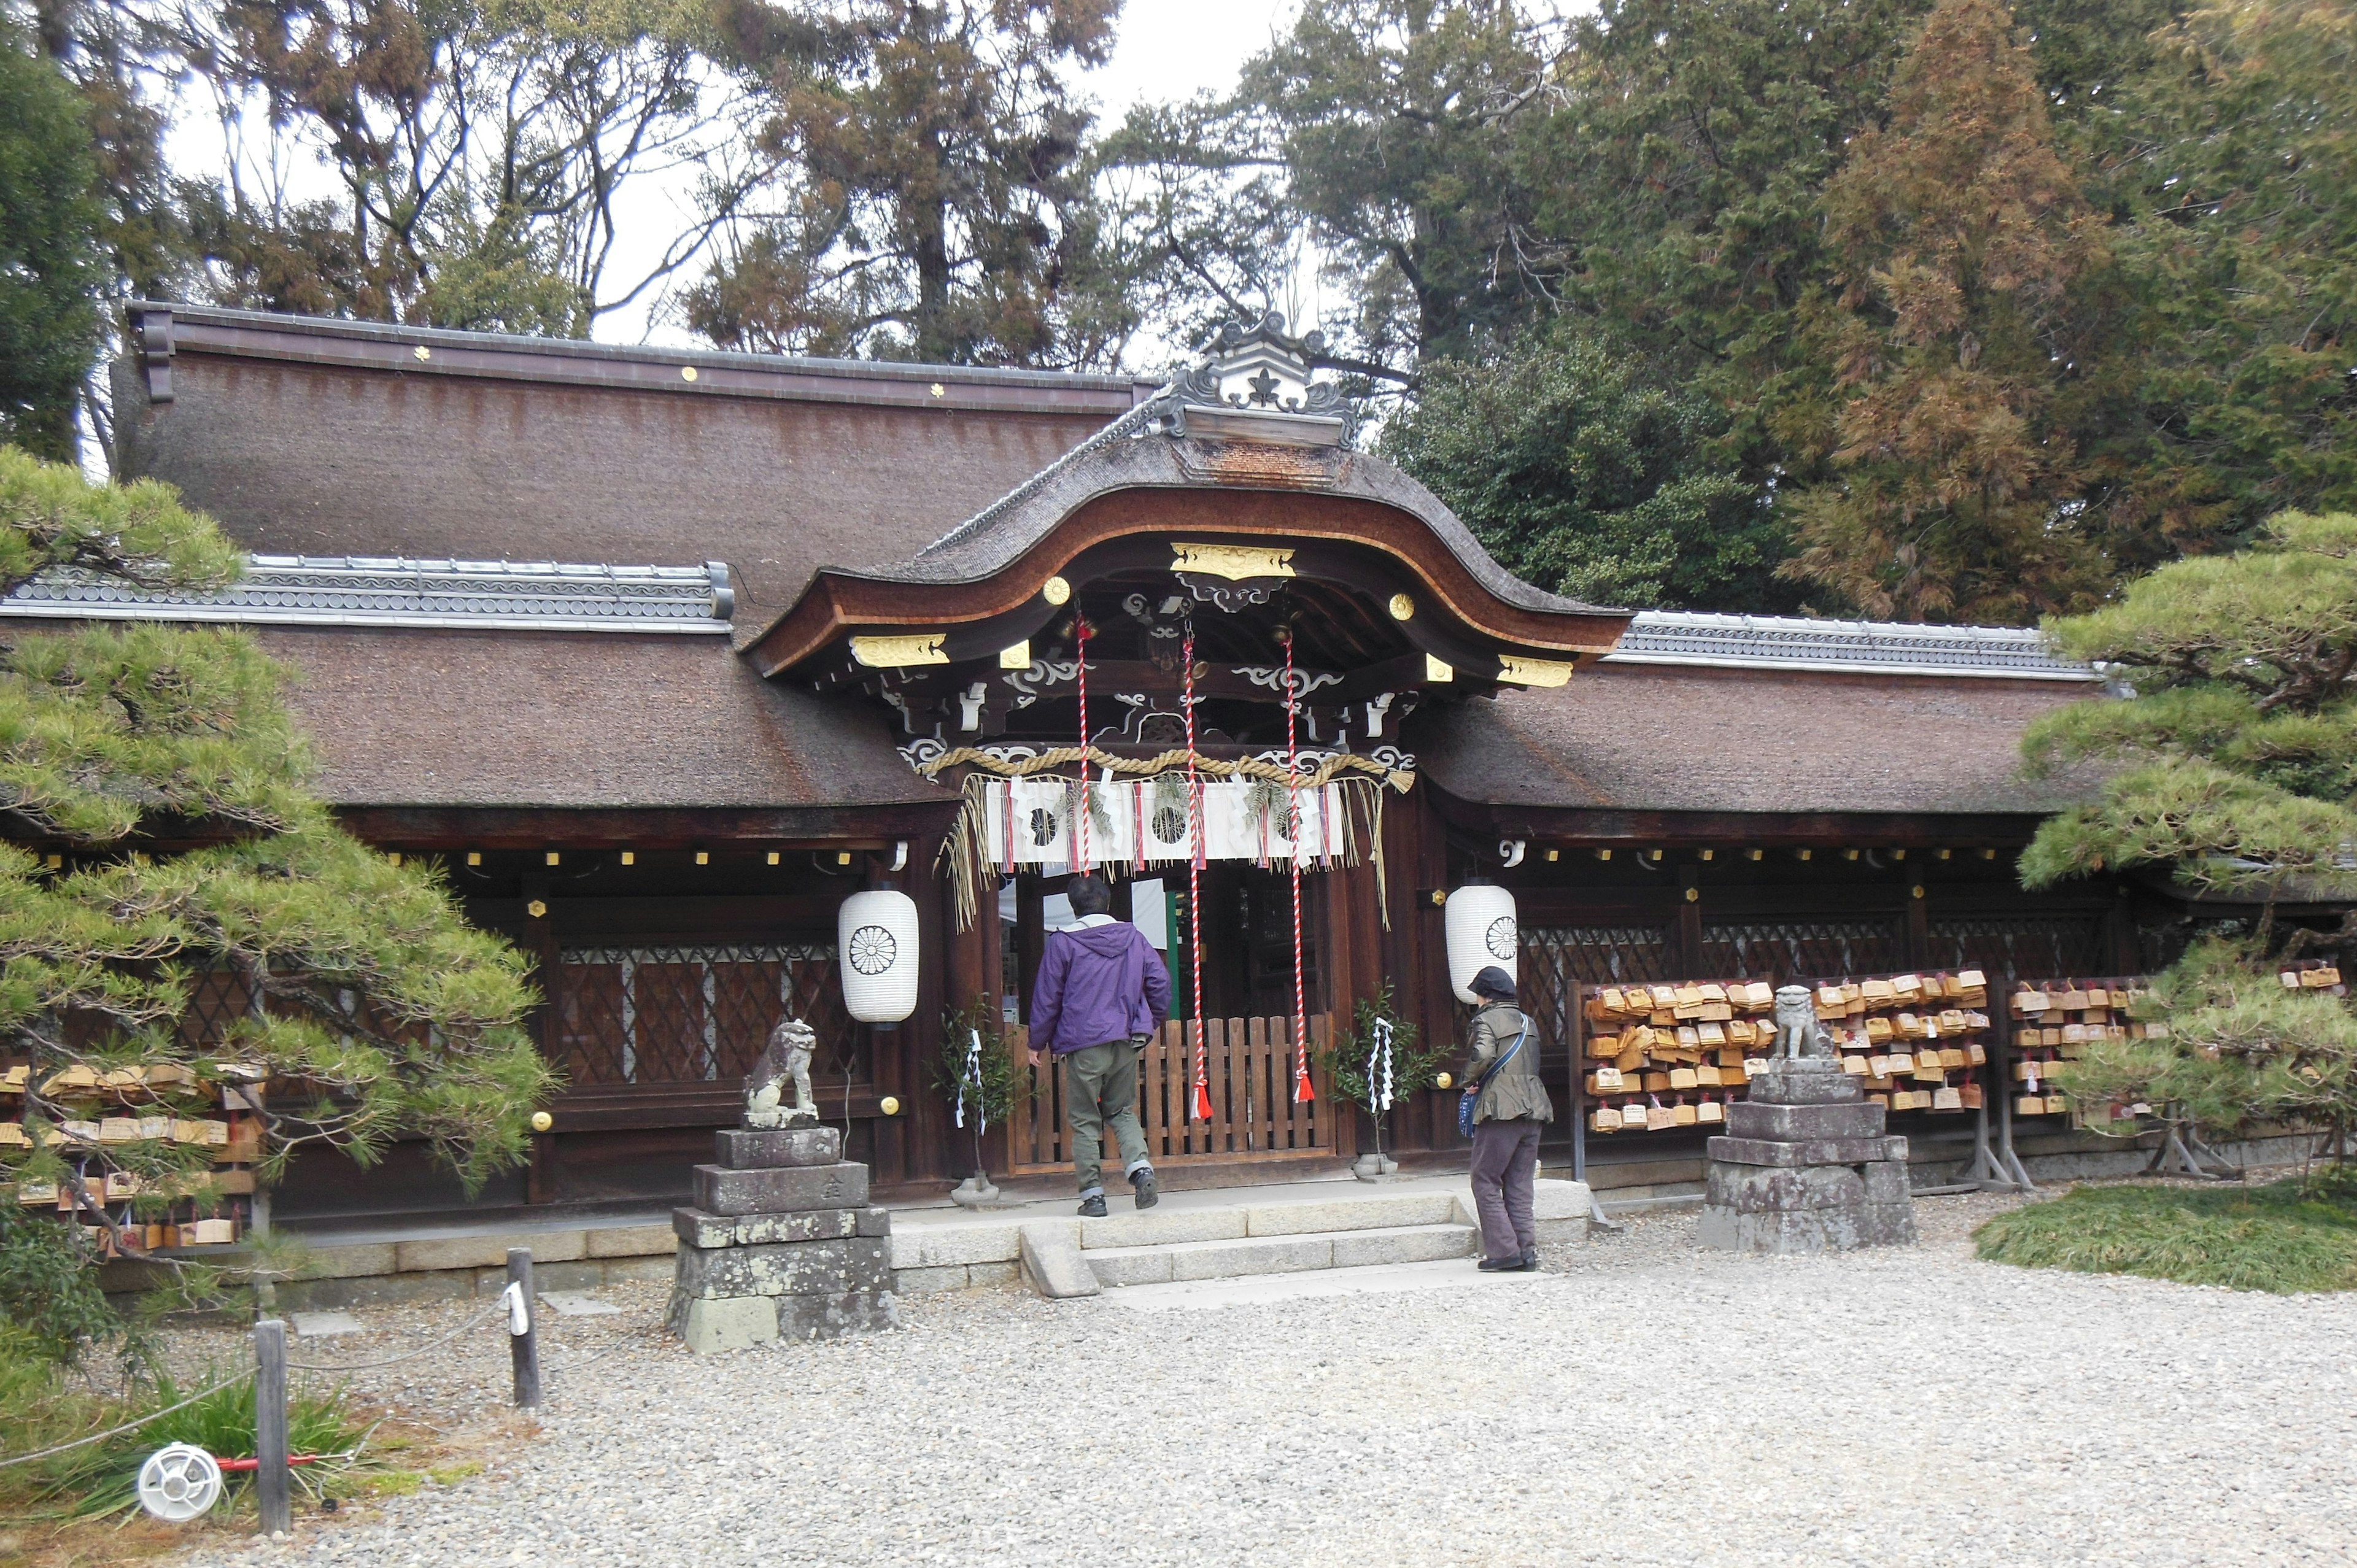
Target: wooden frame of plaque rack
{"points": [[1882, 1025]]}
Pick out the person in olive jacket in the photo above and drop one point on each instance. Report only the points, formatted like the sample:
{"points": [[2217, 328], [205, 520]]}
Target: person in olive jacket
{"points": [[1512, 1108]]}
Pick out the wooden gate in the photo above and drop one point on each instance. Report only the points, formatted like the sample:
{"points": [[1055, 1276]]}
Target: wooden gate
{"points": [[1249, 1067]]}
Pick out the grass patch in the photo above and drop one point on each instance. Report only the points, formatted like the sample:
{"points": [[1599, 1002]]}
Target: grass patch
{"points": [[2286, 1236]]}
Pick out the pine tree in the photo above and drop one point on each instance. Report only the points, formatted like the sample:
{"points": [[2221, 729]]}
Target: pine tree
{"points": [[1962, 343], [162, 841], [2234, 765]]}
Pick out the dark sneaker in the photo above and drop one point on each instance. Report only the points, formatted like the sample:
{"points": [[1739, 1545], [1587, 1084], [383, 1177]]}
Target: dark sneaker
{"points": [[1531, 1261], [1501, 1266], [1092, 1208], [1148, 1194]]}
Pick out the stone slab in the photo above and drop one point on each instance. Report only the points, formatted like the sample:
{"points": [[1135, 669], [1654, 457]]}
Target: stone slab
{"points": [[749, 1148], [929, 1282], [1410, 1244], [1756, 1119], [1805, 1083], [780, 1190], [622, 1270], [697, 1228], [1838, 1229], [324, 1325], [1052, 1261], [789, 1268], [1887, 1182], [1156, 1226], [1257, 1255], [354, 1263], [713, 1326], [1764, 1189], [573, 1303], [487, 1252], [1372, 1212], [1807, 1152], [831, 1316], [1555, 1199], [938, 1246], [993, 1274], [630, 1240], [1129, 1266], [1254, 1289]]}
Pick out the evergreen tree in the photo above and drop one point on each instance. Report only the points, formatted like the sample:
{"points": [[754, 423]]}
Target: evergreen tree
{"points": [[2236, 161], [1682, 165], [371, 1003], [1394, 121], [1585, 477], [52, 265], [2234, 763], [1963, 342], [931, 199]]}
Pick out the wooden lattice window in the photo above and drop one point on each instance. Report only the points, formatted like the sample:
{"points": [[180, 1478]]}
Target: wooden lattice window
{"points": [[1556, 960], [1784, 950], [685, 1014], [2021, 947]]}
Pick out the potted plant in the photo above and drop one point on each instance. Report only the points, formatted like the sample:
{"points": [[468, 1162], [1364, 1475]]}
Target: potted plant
{"points": [[1375, 1065], [977, 1075]]}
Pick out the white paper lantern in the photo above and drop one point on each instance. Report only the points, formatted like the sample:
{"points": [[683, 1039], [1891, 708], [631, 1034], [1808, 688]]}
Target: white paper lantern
{"points": [[1481, 932], [876, 947]]}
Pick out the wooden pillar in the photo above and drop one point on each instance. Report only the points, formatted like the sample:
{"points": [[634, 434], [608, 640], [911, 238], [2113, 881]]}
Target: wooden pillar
{"points": [[543, 1178], [1031, 937], [1919, 917], [1689, 921]]}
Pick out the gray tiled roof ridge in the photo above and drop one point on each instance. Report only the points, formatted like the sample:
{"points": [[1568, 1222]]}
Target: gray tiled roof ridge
{"points": [[1859, 647], [649, 353], [389, 590]]}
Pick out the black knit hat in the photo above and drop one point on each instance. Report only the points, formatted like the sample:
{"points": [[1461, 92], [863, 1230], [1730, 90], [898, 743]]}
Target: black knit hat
{"points": [[1492, 983]]}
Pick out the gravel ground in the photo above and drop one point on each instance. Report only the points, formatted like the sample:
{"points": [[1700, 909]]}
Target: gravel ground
{"points": [[1651, 1403]]}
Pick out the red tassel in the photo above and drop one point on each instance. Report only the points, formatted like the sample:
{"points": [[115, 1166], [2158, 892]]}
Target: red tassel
{"points": [[1302, 1092], [1202, 1100]]}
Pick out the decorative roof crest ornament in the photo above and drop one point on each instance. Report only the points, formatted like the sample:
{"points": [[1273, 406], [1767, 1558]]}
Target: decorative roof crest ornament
{"points": [[1255, 387]]}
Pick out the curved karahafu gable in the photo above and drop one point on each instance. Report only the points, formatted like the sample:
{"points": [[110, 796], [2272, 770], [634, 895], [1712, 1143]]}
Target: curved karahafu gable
{"points": [[1227, 503]]}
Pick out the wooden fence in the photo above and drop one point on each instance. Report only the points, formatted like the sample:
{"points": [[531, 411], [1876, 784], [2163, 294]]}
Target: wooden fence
{"points": [[1248, 1064]]}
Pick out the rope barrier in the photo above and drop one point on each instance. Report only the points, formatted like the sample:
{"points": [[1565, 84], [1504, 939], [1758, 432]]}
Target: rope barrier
{"points": [[475, 1322], [246, 1376]]}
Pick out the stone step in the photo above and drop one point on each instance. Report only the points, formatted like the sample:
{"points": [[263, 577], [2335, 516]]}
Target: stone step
{"points": [[1280, 1217], [1290, 1252]]}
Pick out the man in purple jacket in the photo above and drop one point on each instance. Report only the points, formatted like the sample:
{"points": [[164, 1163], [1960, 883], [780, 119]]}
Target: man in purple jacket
{"points": [[1101, 994]]}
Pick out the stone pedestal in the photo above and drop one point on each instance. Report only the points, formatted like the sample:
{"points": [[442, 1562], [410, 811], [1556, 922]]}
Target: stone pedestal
{"points": [[781, 1243], [1804, 1166]]}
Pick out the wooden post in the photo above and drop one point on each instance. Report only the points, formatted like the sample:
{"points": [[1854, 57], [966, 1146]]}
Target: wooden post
{"points": [[270, 1473], [523, 1350]]}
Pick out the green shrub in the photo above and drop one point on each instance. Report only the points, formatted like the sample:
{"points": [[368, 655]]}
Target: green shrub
{"points": [[50, 1297], [2287, 1237]]}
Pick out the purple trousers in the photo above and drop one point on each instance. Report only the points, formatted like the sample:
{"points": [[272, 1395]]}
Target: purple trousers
{"points": [[1505, 1164]]}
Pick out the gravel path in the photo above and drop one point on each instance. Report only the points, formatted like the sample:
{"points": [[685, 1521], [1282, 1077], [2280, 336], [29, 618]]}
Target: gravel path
{"points": [[1649, 1404]]}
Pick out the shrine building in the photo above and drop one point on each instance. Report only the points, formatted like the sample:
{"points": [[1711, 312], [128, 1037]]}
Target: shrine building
{"points": [[662, 655]]}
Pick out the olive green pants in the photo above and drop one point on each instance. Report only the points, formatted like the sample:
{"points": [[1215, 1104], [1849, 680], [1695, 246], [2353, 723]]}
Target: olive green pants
{"points": [[1101, 1086]]}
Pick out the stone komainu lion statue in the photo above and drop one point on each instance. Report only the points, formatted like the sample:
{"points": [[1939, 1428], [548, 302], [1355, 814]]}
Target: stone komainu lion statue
{"points": [[1798, 1033], [786, 1059]]}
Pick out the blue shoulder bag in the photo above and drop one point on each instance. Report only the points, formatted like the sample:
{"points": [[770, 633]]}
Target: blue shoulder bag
{"points": [[1467, 1101]]}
